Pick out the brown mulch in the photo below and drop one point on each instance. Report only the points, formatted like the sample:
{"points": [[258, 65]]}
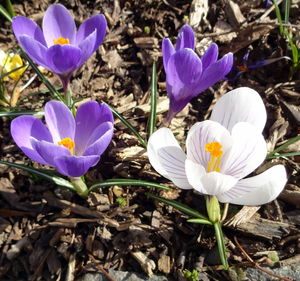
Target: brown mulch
{"points": [[49, 233]]}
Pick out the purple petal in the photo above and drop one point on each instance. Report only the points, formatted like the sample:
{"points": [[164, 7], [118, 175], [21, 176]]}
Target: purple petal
{"points": [[167, 51], [35, 50], [63, 59], [24, 128], [75, 166], [215, 72], [183, 75], [87, 47], [49, 151], [210, 56], [98, 23], [89, 116], [25, 26], [58, 22], [59, 120], [100, 139], [186, 38], [262, 63]]}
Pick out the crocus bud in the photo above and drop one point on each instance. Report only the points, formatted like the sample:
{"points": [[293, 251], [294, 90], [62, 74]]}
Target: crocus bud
{"points": [[213, 209]]}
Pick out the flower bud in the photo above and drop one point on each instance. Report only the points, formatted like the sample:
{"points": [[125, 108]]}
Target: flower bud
{"points": [[213, 209]]}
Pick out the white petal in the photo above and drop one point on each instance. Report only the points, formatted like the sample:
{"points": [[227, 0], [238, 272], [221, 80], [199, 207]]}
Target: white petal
{"points": [[248, 151], [194, 172], [240, 105], [167, 158], [216, 183], [203, 133], [257, 190]]}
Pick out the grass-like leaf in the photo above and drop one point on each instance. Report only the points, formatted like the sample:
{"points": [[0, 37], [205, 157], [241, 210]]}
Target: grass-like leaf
{"points": [[283, 146], [179, 206], [221, 244], [19, 113], [43, 174], [5, 13], [126, 182], [129, 126], [152, 119], [42, 77], [10, 8], [288, 154], [200, 221]]}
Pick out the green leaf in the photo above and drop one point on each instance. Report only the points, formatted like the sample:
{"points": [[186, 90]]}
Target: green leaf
{"points": [[201, 221], [179, 206], [287, 6], [278, 15], [5, 13], [221, 244], [10, 8], [129, 126], [288, 154], [126, 182], [44, 174], [282, 147], [152, 120], [19, 113]]}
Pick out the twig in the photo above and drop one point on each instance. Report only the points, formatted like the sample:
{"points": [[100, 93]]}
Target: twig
{"points": [[255, 264], [100, 267], [225, 211]]}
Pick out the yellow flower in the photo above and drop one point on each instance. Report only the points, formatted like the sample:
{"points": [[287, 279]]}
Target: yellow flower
{"points": [[9, 62]]}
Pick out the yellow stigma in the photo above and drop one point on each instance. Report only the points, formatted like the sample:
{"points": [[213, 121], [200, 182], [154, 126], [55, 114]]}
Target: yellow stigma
{"points": [[69, 144], [61, 41], [214, 148]]}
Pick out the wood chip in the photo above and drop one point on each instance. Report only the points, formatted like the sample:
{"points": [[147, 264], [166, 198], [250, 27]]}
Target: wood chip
{"points": [[164, 264], [146, 264]]}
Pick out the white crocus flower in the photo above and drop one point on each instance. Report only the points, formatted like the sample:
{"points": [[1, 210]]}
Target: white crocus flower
{"points": [[221, 152]]}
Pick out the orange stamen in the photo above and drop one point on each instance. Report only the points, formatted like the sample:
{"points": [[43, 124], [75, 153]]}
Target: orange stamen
{"points": [[69, 144], [61, 41], [214, 148]]}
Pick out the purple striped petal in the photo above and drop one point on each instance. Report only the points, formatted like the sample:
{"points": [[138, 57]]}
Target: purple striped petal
{"points": [[257, 190], [35, 50], [183, 74], [167, 51], [58, 22], [24, 26], [60, 121], [96, 23], [88, 118], [87, 47], [75, 166], [210, 56], [63, 59], [23, 129], [100, 139], [49, 151], [186, 38], [248, 151], [167, 158], [215, 72]]}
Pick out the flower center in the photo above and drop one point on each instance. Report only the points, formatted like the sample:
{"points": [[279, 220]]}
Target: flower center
{"points": [[214, 148], [69, 144], [61, 41], [242, 68]]}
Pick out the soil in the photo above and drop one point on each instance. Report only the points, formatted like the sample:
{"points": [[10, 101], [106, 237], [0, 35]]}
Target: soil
{"points": [[50, 233]]}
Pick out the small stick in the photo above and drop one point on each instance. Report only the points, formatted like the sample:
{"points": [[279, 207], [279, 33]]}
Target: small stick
{"points": [[256, 264], [100, 267]]}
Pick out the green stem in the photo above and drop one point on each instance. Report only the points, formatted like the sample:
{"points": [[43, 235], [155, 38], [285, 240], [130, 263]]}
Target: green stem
{"points": [[80, 186]]}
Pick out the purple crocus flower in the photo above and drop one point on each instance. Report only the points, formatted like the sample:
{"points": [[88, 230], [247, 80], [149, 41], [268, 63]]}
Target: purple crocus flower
{"points": [[240, 69], [186, 74], [71, 145], [59, 47]]}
